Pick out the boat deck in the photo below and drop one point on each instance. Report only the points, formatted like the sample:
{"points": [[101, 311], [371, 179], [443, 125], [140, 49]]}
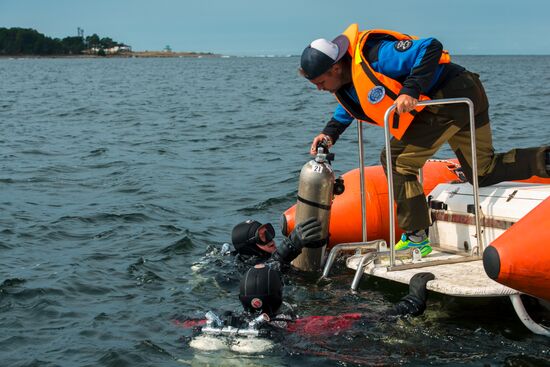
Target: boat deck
{"points": [[465, 279]]}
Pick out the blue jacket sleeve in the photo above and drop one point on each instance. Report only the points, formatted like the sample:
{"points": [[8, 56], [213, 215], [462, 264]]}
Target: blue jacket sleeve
{"points": [[338, 123], [416, 66], [341, 115]]}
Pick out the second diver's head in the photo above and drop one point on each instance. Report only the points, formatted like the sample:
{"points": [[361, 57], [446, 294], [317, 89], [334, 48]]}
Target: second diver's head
{"points": [[261, 290], [251, 238]]}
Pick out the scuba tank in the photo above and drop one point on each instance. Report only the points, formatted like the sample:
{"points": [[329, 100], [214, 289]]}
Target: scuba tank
{"points": [[316, 189], [235, 332]]}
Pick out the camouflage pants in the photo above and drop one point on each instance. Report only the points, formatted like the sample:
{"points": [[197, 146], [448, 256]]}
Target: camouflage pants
{"points": [[436, 125]]}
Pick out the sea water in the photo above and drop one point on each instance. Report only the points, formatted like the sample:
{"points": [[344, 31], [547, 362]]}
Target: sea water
{"points": [[121, 178]]}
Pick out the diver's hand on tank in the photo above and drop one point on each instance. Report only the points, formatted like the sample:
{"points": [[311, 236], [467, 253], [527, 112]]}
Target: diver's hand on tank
{"points": [[321, 138], [303, 234], [309, 231]]}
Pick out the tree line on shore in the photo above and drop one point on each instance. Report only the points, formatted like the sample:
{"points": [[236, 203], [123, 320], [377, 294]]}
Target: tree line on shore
{"points": [[28, 41]]}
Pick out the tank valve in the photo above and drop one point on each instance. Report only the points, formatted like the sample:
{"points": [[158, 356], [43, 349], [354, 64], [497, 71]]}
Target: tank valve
{"points": [[263, 318], [213, 320], [323, 154]]}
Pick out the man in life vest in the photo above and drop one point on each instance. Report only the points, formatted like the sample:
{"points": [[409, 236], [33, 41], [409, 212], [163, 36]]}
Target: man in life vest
{"points": [[369, 71], [255, 242]]}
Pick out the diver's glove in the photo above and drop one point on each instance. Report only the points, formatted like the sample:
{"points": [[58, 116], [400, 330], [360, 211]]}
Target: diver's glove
{"points": [[408, 305], [306, 233], [413, 303]]}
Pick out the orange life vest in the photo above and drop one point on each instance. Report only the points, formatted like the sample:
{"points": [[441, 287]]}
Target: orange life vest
{"points": [[376, 91]]}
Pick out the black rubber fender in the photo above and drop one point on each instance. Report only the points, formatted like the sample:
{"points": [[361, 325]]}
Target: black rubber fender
{"points": [[491, 262]]}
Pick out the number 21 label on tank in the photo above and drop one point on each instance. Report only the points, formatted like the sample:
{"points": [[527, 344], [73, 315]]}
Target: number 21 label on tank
{"points": [[317, 168]]}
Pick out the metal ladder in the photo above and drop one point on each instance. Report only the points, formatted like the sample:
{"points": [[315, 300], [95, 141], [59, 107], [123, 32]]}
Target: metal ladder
{"points": [[371, 255]]}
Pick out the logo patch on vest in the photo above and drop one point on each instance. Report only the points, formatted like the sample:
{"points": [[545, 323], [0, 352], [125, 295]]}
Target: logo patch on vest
{"points": [[403, 45], [376, 94]]}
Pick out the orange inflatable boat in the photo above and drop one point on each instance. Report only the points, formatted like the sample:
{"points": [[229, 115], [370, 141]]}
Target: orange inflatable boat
{"points": [[519, 258], [515, 221]]}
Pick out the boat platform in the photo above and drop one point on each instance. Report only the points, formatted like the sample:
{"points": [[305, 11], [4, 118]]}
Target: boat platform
{"points": [[464, 279]]}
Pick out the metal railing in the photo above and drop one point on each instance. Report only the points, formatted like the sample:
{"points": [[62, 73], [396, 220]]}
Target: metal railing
{"points": [[365, 260], [369, 257], [389, 170], [389, 175], [362, 180], [376, 245]]}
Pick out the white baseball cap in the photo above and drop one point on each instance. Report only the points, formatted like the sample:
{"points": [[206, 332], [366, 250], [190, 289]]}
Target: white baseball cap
{"points": [[321, 54]]}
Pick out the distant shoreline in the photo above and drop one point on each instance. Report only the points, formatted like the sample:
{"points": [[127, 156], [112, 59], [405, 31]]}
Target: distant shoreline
{"points": [[133, 54], [163, 54]]}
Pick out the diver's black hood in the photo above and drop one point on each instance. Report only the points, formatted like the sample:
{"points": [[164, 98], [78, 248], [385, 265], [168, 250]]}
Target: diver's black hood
{"points": [[261, 289], [245, 237]]}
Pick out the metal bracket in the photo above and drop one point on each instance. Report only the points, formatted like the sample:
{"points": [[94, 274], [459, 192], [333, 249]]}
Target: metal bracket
{"points": [[376, 245], [525, 318]]}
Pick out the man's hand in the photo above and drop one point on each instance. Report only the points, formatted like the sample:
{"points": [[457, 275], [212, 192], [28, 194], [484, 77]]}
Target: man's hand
{"points": [[321, 138], [405, 103]]}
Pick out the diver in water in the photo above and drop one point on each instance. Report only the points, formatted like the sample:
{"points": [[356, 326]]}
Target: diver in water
{"points": [[266, 315], [261, 291], [252, 239], [254, 242]]}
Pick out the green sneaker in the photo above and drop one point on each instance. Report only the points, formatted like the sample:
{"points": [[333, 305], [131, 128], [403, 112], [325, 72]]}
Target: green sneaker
{"points": [[406, 242]]}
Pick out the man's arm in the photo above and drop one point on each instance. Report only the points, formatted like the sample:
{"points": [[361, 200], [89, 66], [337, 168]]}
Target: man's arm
{"points": [[415, 63], [339, 122]]}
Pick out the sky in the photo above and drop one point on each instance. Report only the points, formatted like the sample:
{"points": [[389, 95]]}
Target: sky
{"points": [[285, 27]]}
